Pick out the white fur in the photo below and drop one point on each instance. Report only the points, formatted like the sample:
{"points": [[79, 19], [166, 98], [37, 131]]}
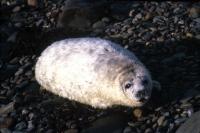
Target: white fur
{"points": [[72, 68]]}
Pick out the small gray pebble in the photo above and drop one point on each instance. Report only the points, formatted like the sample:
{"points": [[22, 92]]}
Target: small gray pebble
{"points": [[148, 130], [20, 126], [5, 130], [160, 120], [127, 130]]}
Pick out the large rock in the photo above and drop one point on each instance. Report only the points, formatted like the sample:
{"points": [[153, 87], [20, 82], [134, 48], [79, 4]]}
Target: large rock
{"points": [[191, 125], [114, 123], [78, 16]]}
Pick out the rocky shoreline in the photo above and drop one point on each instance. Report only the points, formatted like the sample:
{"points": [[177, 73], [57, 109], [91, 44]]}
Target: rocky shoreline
{"points": [[165, 36]]}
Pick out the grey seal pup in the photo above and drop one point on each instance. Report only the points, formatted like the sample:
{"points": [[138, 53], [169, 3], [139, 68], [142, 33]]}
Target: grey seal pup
{"points": [[94, 71]]}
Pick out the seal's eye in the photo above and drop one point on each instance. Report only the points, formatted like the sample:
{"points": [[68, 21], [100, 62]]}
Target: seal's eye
{"points": [[128, 85]]}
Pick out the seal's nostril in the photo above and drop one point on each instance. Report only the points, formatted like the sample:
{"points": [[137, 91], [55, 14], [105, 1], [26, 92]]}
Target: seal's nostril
{"points": [[143, 100], [142, 96], [141, 93]]}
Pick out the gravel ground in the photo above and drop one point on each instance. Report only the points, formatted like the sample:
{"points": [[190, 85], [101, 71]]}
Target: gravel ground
{"points": [[163, 35]]}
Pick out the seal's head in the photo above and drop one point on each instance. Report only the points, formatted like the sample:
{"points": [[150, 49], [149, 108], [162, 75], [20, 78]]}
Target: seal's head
{"points": [[137, 86]]}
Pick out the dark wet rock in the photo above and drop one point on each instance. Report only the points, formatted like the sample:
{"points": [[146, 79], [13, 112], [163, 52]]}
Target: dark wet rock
{"points": [[138, 16], [148, 130], [39, 22], [50, 131], [16, 9], [7, 108], [6, 122], [5, 130], [20, 71], [105, 20], [31, 116], [194, 12], [191, 93], [157, 85], [5, 51], [30, 126], [12, 38], [173, 58], [22, 85], [127, 130], [197, 20], [98, 25], [71, 131], [120, 12], [197, 36], [14, 60], [20, 126], [25, 112], [108, 124], [7, 71], [160, 120], [18, 25], [137, 113], [33, 3], [1, 63], [78, 16]]}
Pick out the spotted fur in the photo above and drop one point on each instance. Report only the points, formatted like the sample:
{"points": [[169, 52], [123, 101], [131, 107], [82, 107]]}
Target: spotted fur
{"points": [[90, 71]]}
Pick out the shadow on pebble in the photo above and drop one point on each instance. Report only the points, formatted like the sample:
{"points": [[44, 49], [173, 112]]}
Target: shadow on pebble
{"points": [[114, 123]]}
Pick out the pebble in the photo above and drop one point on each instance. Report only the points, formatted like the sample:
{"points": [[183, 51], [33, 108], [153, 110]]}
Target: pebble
{"points": [[186, 105], [16, 9], [20, 126], [6, 122], [190, 112], [14, 60], [98, 25], [33, 3], [185, 100], [160, 120], [5, 130], [105, 20], [197, 20], [134, 124], [165, 123], [127, 130], [197, 36], [148, 130], [39, 22], [50, 131], [19, 72], [189, 34], [194, 12], [25, 112], [7, 108], [18, 24], [166, 114], [71, 131], [138, 16], [31, 126], [12, 37], [137, 113], [91, 118], [22, 84], [148, 16], [31, 116]]}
